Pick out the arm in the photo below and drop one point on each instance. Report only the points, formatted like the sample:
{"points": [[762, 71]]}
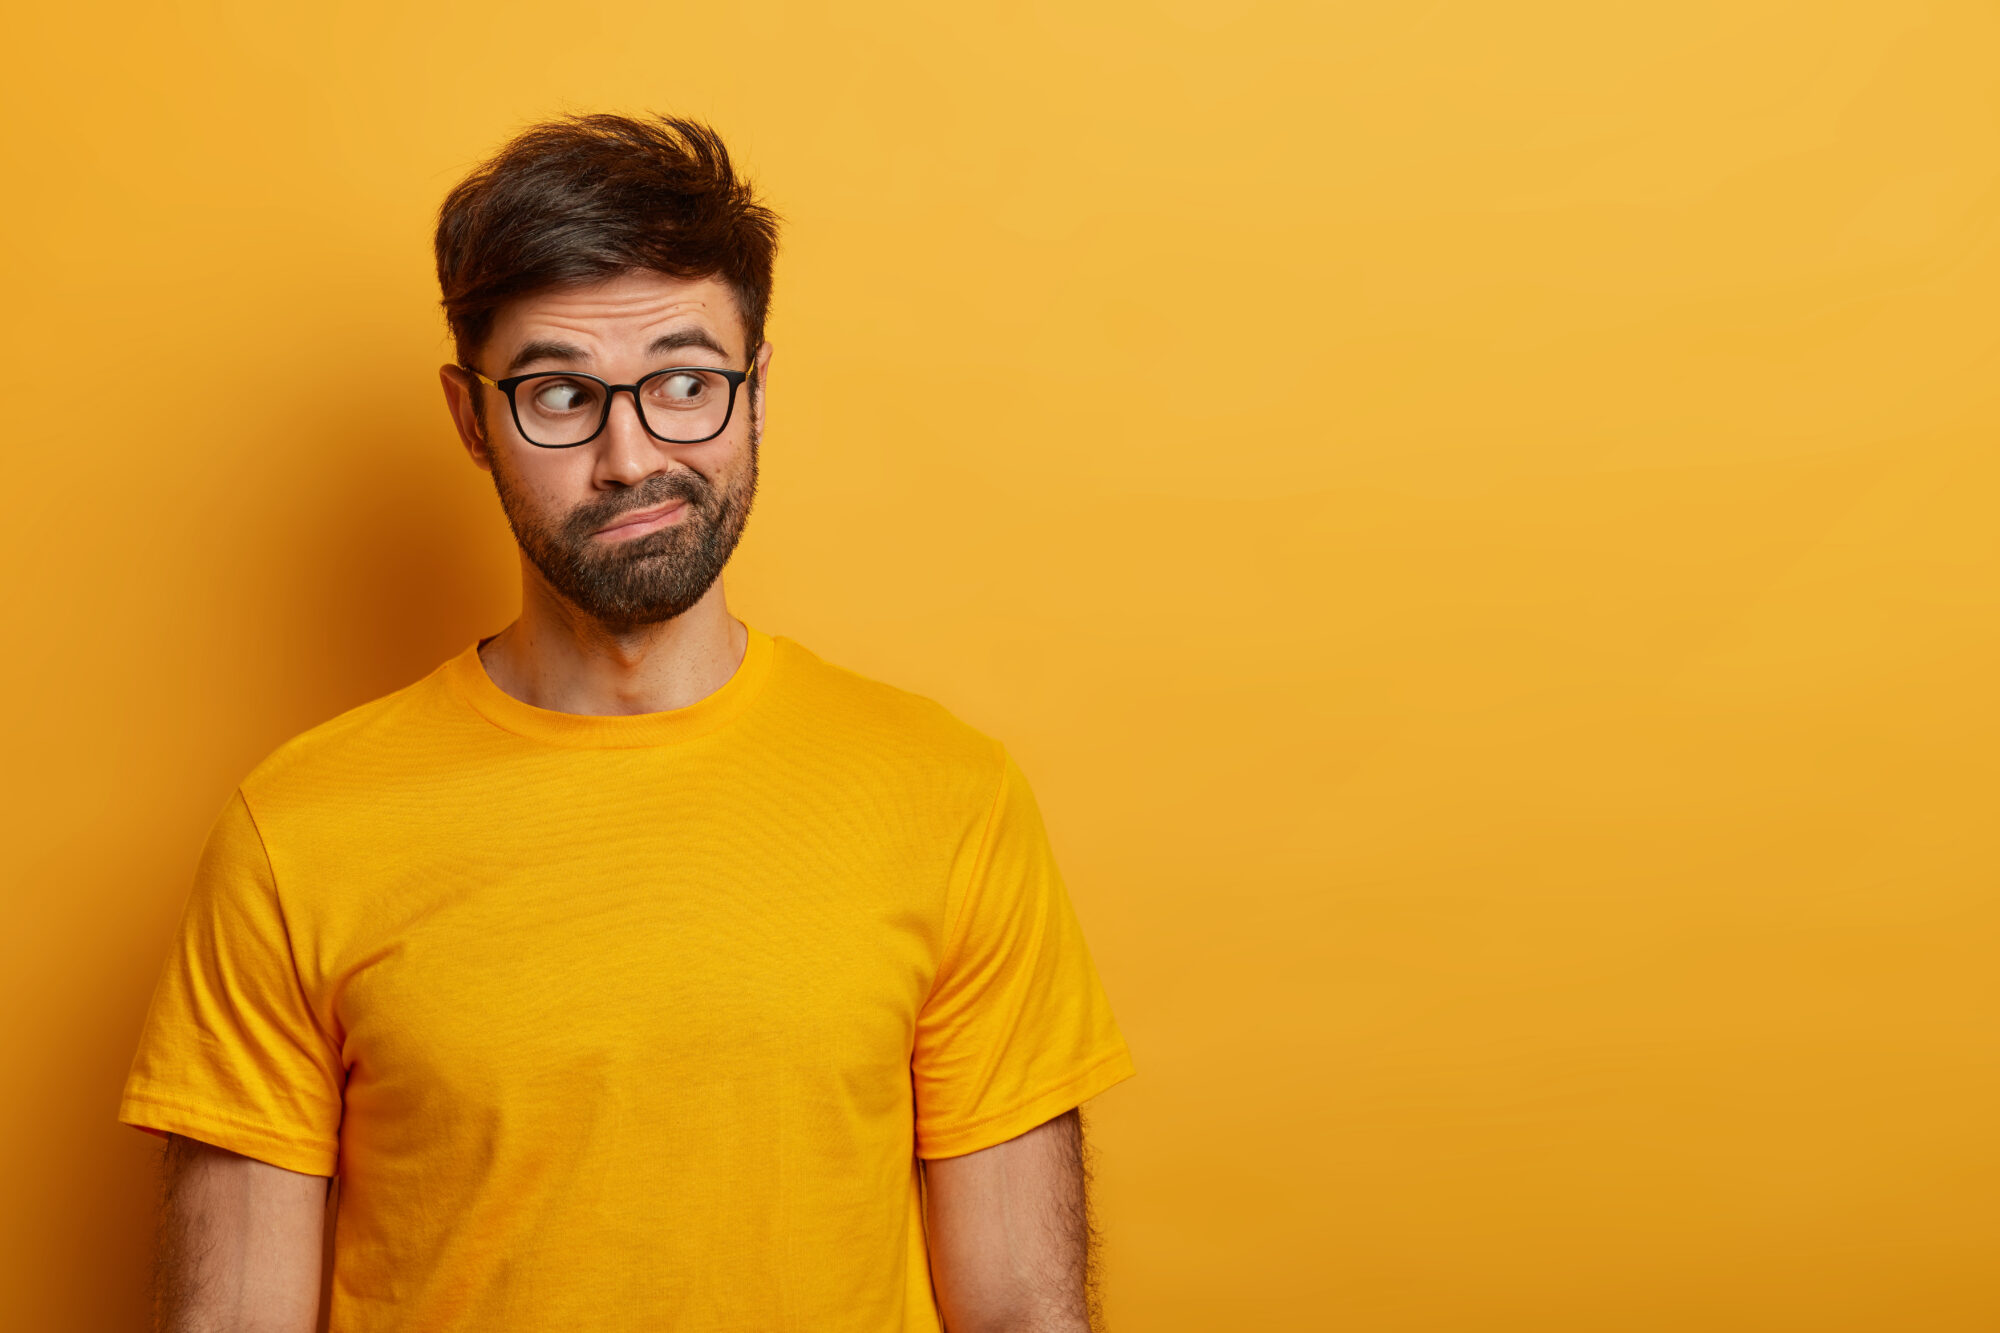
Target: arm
{"points": [[1012, 1248], [239, 1243]]}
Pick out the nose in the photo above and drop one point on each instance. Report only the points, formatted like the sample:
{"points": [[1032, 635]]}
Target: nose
{"points": [[626, 454]]}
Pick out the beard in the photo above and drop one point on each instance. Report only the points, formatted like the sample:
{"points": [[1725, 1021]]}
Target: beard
{"points": [[642, 580]]}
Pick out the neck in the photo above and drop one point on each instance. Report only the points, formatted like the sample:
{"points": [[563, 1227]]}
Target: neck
{"points": [[557, 658]]}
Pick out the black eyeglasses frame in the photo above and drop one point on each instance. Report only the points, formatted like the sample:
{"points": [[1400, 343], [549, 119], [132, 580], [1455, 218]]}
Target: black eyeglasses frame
{"points": [[512, 382]]}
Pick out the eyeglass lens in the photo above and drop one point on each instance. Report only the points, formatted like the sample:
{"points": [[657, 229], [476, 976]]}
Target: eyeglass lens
{"points": [[559, 409]]}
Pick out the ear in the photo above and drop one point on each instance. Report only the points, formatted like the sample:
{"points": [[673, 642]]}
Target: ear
{"points": [[763, 364], [461, 400]]}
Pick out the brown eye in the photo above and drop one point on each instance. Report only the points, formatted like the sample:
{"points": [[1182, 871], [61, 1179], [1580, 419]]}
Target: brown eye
{"points": [[681, 388], [558, 396]]}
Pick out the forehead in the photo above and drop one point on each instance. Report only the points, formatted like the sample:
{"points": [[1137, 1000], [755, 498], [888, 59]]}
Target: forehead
{"points": [[622, 312]]}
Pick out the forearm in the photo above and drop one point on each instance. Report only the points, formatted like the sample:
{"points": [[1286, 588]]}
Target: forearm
{"points": [[239, 1244], [1012, 1246]]}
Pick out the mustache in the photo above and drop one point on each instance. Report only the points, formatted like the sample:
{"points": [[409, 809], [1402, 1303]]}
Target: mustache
{"points": [[684, 485]]}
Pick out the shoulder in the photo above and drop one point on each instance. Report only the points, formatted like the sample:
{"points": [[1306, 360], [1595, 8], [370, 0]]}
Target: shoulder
{"points": [[883, 722]]}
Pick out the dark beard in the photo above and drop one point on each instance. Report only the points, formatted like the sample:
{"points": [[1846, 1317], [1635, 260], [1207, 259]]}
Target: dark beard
{"points": [[644, 580]]}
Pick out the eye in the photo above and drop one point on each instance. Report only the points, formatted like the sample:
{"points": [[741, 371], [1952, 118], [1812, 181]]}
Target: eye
{"points": [[683, 386], [560, 395]]}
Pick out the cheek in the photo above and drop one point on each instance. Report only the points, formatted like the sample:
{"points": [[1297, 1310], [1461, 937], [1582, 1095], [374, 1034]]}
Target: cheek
{"points": [[552, 482], [722, 461]]}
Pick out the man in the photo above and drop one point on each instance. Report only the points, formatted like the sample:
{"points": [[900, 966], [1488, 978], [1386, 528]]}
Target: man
{"points": [[634, 969]]}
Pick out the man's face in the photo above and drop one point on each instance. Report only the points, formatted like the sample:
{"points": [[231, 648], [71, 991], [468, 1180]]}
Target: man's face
{"points": [[629, 529]]}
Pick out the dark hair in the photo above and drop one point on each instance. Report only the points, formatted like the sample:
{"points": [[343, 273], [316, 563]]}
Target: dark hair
{"points": [[586, 197]]}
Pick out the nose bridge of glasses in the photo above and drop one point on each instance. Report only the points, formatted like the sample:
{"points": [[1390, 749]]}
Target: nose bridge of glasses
{"points": [[611, 394]]}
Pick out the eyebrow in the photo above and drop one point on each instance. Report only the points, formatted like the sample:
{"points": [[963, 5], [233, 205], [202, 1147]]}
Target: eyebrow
{"points": [[675, 339], [545, 349], [549, 349]]}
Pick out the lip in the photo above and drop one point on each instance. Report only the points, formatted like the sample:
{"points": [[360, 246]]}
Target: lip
{"points": [[642, 521]]}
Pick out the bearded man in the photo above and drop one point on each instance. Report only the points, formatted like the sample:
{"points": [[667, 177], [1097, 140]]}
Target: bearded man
{"points": [[635, 968]]}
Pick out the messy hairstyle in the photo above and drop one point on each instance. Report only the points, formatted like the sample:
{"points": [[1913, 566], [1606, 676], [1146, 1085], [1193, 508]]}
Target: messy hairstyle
{"points": [[586, 197]]}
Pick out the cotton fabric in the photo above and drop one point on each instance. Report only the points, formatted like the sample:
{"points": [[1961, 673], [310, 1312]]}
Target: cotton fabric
{"points": [[627, 1022]]}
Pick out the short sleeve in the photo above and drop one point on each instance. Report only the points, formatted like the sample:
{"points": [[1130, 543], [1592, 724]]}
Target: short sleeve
{"points": [[1017, 1028], [231, 1053]]}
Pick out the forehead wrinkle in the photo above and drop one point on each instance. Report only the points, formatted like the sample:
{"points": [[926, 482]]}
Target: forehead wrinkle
{"points": [[603, 320], [601, 325]]}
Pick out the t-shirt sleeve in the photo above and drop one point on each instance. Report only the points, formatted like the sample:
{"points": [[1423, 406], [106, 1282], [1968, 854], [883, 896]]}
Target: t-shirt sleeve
{"points": [[231, 1053], [1017, 1029]]}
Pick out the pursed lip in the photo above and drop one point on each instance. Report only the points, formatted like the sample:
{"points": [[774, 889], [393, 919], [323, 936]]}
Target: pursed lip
{"points": [[641, 521]]}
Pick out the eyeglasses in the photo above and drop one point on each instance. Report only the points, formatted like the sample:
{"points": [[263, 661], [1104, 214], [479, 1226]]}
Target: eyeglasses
{"points": [[565, 408]]}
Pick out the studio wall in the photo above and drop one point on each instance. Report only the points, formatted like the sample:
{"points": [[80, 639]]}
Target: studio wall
{"points": [[1478, 520]]}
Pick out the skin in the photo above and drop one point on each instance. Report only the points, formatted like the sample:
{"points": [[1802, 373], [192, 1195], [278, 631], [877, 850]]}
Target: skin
{"points": [[555, 656], [1010, 1239], [239, 1243]]}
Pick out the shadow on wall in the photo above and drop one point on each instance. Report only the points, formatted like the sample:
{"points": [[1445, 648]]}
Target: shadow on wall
{"points": [[402, 558], [314, 583]]}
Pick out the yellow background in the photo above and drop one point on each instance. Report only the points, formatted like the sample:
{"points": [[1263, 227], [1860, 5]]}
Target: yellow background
{"points": [[1481, 521]]}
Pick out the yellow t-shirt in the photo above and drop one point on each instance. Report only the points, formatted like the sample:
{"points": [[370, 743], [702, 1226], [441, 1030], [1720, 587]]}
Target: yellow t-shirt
{"points": [[627, 1022]]}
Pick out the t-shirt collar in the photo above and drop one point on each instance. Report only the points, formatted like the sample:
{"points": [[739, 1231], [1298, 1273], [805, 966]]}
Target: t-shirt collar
{"points": [[467, 674]]}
